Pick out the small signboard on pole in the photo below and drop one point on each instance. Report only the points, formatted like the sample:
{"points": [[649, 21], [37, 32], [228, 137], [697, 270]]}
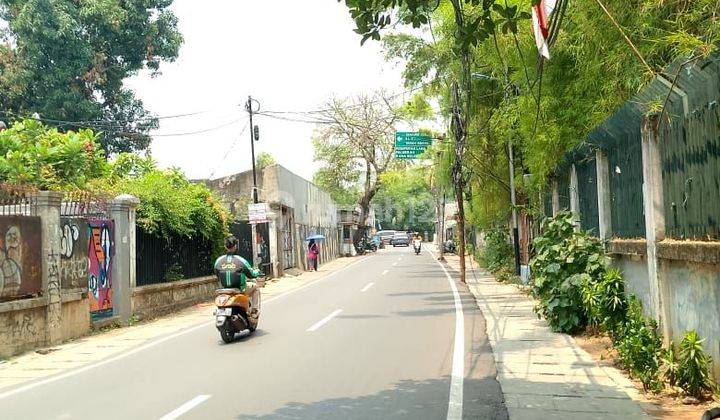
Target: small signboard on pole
{"points": [[258, 212], [410, 145]]}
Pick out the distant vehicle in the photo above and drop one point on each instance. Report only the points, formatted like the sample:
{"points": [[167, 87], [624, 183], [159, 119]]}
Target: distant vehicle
{"points": [[386, 236], [400, 238]]}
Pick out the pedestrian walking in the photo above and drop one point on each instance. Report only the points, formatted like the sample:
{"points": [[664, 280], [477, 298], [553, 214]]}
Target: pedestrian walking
{"points": [[313, 251]]}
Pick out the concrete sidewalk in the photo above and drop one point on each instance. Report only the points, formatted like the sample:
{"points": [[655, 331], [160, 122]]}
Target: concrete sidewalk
{"points": [[544, 375], [74, 354]]}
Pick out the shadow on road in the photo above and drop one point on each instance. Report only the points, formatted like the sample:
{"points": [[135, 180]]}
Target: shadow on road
{"points": [[407, 399]]}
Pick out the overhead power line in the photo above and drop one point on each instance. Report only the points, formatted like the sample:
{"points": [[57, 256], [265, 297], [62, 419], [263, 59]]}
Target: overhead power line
{"points": [[230, 149], [190, 133]]}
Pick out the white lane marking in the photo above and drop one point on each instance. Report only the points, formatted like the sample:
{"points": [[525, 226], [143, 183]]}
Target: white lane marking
{"points": [[153, 343], [185, 408], [455, 403], [323, 321], [384, 272], [103, 362], [369, 285], [316, 281]]}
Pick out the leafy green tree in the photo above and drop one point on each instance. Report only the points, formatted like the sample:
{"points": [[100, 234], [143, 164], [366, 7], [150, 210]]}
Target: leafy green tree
{"points": [[265, 159], [356, 146], [33, 154], [545, 109], [405, 201], [67, 61]]}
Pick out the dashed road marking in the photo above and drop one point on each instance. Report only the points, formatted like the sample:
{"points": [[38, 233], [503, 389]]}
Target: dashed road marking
{"points": [[324, 321], [369, 285], [185, 407]]}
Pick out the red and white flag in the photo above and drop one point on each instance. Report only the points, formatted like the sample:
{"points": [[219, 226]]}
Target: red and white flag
{"points": [[541, 23]]}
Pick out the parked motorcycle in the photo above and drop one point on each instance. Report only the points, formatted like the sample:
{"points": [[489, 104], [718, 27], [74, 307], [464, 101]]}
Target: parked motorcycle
{"points": [[449, 246], [370, 245], [361, 246], [237, 311]]}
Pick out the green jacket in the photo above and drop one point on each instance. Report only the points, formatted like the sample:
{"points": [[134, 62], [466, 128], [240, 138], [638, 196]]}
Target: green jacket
{"points": [[232, 271]]}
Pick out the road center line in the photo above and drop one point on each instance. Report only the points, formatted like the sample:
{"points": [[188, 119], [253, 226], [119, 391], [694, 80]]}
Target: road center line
{"points": [[324, 321], [384, 272], [369, 285], [455, 403], [185, 407]]}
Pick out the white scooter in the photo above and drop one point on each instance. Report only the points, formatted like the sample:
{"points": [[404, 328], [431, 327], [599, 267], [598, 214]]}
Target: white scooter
{"points": [[416, 245]]}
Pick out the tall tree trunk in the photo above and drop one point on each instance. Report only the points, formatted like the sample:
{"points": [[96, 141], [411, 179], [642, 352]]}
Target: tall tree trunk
{"points": [[461, 231], [368, 194]]}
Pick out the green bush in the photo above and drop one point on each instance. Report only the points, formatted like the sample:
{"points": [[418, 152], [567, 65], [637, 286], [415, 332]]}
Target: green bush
{"points": [[669, 365], [565, 264], [171, 205], [497, 252], [639, 346], [605, 301], [693, 366]]}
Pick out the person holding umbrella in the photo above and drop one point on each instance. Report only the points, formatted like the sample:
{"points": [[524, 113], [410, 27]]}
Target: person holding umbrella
{"points": [[313, 251]]}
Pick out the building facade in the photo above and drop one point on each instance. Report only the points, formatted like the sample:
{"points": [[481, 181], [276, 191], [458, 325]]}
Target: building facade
{"points": [[298, 209]]}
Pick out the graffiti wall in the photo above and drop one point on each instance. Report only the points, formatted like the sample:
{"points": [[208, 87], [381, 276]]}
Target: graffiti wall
{"points": [[100, 256], [20, 262], [74, 252]]}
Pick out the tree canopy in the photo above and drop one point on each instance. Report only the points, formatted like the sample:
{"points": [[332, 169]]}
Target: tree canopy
{"points": [[36, 156], [67, 60], [356, 145], [543, 107]]}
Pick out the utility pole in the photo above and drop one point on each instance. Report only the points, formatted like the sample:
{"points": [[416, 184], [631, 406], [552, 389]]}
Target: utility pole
{"points": [[459, 131], [253, 138]]}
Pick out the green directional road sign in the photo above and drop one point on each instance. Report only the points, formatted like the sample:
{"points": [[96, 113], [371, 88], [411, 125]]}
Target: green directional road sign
{"points": [[410, 145]]}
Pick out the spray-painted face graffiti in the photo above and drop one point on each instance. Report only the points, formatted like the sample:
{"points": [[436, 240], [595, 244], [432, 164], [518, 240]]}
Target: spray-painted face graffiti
{"points": [[19, 277], [100, 248], [10, 263], [70, 235]]}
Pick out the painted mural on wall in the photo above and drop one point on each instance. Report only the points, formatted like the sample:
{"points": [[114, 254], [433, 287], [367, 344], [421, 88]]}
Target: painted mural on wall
{"points": [[74, 252], [20, 262], [100, 256]]}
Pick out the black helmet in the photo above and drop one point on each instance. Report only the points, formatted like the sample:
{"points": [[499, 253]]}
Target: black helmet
{"points": [[231, 242]]}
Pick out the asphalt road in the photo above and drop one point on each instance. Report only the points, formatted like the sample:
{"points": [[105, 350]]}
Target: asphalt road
{"points": [[374, 340]]}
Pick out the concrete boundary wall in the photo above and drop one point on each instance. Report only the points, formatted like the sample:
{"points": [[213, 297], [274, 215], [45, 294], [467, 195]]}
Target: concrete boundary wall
{"points": [[658, 197], [159, 299], [54, 313]]}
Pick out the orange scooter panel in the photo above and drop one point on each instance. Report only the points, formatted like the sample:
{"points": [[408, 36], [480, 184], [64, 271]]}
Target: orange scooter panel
{"points": [[238, 300]]}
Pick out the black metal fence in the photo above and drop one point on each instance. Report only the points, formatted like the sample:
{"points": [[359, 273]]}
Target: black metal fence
{"points": [[160, 260]]}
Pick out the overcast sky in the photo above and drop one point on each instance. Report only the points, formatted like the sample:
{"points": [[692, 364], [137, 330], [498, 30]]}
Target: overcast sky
{"points": [[289, 54]]}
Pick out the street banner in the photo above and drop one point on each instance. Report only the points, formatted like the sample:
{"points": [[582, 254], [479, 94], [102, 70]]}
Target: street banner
{"points": [[541, 24]]}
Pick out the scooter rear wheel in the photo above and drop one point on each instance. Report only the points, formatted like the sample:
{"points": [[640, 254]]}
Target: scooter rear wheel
{"points": [[227, 336]]}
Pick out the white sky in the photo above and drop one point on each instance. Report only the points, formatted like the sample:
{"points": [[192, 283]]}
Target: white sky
{"points": [[289, 54]]}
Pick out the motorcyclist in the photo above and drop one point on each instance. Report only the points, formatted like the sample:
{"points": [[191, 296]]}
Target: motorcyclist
{"points": [[417, 242], [233, 270]]}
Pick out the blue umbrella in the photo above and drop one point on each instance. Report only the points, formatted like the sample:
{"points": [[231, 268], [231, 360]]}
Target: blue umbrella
{"points": [[315, 237]]}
